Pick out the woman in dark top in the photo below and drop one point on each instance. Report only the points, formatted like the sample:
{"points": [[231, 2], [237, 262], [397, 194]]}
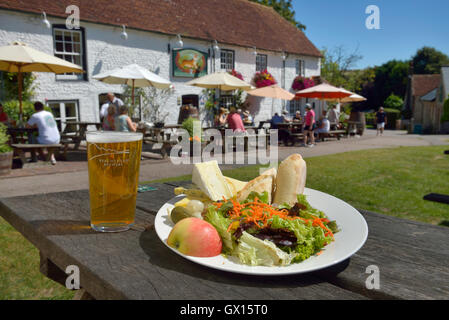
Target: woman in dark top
{"points": [[381, 120]]}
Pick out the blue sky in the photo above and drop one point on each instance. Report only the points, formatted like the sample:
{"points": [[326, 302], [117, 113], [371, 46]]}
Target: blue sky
{"points": [[406, 25]]}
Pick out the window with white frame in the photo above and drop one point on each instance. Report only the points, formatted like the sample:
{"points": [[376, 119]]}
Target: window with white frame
{"points": [[68, 45], [227, 100], [226, 59], [261, 62], [295, 105], [65, 111], [300, 67]]}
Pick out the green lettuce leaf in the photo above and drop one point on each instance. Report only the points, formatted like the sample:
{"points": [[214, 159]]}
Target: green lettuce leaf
{"points": [[221, 223], [255, 252]]}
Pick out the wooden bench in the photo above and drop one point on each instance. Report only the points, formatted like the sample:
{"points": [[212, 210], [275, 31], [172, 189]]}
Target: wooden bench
{"points": [[20, 149], [331, 134]]}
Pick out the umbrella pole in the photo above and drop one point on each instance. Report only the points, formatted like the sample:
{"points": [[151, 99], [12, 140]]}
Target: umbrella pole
{"points": [[19, 80], [132, 96]]}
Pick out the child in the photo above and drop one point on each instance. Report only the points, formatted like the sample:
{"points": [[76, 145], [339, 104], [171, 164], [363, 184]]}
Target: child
{"points": [[123, 122], [108, 121]]}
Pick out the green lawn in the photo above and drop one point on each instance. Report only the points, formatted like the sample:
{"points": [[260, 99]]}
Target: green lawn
{"points": [[389, 181]]}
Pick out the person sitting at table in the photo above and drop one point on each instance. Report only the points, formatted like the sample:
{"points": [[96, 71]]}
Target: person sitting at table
{"points": [[297, 117], [248, 119], [109, 120], [111, 100], [275, 120], [334, 116], [123, 122], [3, 115], [309, 126], [285, 117], [325, 125], [220, 119], [47, 128], [234, 121]]}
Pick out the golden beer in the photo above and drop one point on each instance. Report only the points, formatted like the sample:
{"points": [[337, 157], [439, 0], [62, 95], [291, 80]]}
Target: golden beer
{"points": [[113, 161]]}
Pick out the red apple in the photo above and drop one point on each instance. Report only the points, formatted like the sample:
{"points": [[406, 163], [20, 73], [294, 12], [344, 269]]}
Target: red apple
{"points": [[195, 237]]}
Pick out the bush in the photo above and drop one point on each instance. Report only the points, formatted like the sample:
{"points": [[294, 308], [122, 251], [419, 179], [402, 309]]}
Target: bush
{"points": [[394, 102], [445, 116], [4, 138], [392, 116]]}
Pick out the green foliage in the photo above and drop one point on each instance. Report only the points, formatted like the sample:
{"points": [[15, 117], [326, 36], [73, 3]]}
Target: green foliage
{"points": [[428, 60], [11, 87], [285, 9], [211, 103], [392, 116], [192, 125], [12, 109], [4, 138], [445, 116], [394, 102]]}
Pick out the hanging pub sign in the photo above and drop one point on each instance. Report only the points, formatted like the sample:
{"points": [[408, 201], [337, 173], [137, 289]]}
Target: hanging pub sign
{"points": [[189, 63]]}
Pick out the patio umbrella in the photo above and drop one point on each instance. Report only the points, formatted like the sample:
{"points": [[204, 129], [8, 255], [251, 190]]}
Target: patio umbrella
{"points": [[353, 98], [274, 92], [18, 57], [220, 80], [135, 76], [324, 91]]}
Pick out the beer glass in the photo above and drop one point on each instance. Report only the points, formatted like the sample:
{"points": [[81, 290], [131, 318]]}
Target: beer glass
{"points": [[113, 161]]}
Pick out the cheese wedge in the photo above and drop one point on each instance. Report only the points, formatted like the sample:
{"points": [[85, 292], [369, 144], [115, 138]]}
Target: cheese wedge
{"points": [[208, 178], [264, 182], [235, 185], [290, 180]]}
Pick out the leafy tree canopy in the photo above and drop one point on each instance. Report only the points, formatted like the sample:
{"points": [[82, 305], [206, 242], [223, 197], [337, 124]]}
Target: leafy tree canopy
{"points": [[285, 9], [428, 60]]}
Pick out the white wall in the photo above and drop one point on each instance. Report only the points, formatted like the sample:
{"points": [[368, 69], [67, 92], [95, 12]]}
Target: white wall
{"points": [[106, 50]]}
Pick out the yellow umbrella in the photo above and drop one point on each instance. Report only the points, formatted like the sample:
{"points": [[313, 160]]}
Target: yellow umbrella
{"points": [[18, 57], [353, 98], [220, 80]]}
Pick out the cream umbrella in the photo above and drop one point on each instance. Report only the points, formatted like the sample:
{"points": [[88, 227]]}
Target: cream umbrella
{"points": [[274, 92], [135, 76], [353, 98], [220, 80], [18, 57]]}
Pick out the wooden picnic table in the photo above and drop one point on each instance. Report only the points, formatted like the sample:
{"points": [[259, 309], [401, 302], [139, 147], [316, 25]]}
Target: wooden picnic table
{"points": [[79, 134], [412, 257], [18, 134]]}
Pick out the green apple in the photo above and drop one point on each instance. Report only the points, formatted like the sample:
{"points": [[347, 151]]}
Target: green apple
{"points": [[195, 237]]}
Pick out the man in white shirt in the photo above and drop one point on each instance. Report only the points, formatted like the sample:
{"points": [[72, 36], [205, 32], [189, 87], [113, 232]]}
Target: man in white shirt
{"points": [[334, 116], [112, 100], [46, 125]]}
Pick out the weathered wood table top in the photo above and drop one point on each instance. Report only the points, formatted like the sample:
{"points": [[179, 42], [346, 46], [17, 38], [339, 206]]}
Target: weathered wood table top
{"points": [[412, 257]]}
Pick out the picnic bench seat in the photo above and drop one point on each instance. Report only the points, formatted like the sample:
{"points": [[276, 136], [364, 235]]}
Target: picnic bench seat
{"points": [[21, 148], [331, 134]]}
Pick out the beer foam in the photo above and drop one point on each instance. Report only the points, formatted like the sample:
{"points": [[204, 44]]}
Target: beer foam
{"points": [[112, 136]]}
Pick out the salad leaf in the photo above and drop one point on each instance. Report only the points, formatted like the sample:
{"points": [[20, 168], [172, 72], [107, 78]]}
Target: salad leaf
{"points": [[221, 223], [309, 209], [256, 252], [263, 197]]}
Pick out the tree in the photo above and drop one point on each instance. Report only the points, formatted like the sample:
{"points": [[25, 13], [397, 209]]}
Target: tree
{"points": [[11, 86], [285, 9], [428, 60]]}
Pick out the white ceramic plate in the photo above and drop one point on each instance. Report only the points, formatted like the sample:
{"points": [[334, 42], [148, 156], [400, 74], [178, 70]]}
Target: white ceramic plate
{"points": [[348, 241]]}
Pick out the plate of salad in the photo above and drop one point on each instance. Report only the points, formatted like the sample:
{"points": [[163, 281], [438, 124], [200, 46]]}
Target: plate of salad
{"points": [[272, 225]]}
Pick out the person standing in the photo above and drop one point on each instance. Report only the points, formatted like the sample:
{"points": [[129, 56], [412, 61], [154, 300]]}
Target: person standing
{"points": [[111, 100], [123, 122], [333, 116], [309, 126], [109, 120], [47, 128], [381, 121]]}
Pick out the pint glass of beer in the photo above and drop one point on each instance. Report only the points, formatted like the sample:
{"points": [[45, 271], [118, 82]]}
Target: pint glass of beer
{"points": [[113, 161]]}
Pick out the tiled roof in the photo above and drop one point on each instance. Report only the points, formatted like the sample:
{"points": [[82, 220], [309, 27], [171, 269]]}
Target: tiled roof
{"points": [[424, 83], [237, 22]]}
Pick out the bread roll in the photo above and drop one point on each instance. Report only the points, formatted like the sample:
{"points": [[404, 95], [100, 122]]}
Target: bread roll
{"points": [[264, 182], [290, 180]]}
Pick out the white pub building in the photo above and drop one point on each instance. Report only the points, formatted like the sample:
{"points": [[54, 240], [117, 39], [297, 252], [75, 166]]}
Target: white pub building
{"points": [[220, 36]]}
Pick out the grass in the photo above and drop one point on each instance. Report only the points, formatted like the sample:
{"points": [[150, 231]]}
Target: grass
{"points": [[388, 181]]}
